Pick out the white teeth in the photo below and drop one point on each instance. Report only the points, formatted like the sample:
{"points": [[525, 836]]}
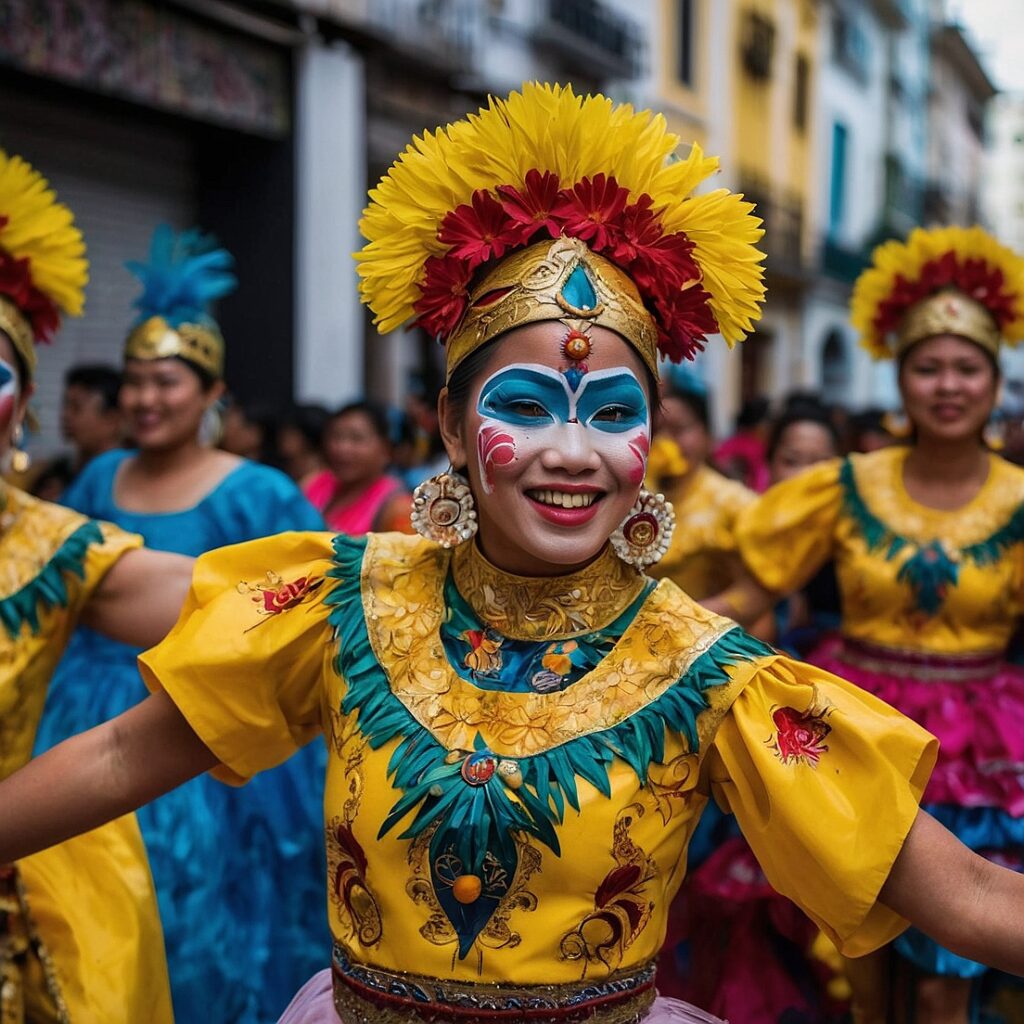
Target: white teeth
{"points": [[563, 499]]}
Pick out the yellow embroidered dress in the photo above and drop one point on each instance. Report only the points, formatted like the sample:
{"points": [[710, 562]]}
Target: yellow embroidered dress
{"points": [[930, 602], [701, 557], [80, 937], [516, 765]]}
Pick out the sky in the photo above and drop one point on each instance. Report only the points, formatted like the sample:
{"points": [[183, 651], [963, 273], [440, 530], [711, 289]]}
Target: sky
{"points": [[996, 27]]}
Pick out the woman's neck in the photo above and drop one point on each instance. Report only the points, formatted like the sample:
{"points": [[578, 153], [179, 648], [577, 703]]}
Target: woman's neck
{"points": [[164, 461], [940, 460]]}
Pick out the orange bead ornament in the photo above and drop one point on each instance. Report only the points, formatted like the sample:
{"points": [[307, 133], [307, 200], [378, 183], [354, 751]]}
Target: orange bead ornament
{"points": [[576, 345], [467, 888]]}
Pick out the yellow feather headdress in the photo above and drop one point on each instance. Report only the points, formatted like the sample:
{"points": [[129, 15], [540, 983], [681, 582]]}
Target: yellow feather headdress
{"points": [[544, 163], [950, 280], [43, 269]]}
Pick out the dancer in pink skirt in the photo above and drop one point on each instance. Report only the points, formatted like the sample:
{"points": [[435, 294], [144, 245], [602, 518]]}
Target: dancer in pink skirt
{"points": [[928, 541]]}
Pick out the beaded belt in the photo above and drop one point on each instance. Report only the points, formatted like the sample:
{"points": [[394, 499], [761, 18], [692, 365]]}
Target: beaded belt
{"points": [[369, 995], [932, 668]]}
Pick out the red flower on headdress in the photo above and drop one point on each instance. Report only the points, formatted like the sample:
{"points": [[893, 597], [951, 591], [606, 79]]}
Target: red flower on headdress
{"points": [[590, 209], [445, 295], [16, 283], [479, 232], [531, 207], [974, 277], [666, 266], [637, 230], [684, 320]]}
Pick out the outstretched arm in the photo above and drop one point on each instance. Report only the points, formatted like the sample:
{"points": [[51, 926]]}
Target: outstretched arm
{"points": [[98, 776], [964, 902], [139, 598]]}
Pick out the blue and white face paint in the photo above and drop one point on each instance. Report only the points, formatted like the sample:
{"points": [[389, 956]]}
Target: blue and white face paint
{"points": [[528, 407]]}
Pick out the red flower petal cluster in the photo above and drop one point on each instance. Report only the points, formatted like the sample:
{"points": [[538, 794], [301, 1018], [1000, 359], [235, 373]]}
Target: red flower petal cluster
{"points": [[16, 283], [596, 210], [445, 295], [532, 207], [974, 277]]}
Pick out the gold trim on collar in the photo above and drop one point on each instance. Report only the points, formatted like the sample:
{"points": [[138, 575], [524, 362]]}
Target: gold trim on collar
{"points": [[548, 607], [402, 583]]}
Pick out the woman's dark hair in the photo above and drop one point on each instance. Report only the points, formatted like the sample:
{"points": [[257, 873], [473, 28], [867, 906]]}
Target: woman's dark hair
{"points": [[696, 402], [378, 414], [308, 420], [801, 412], [752, 412], [98, 379]]}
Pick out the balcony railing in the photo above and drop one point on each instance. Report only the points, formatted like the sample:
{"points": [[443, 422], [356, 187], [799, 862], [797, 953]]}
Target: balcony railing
{"points": [[589, 38], [783, 216], [443, 33]]}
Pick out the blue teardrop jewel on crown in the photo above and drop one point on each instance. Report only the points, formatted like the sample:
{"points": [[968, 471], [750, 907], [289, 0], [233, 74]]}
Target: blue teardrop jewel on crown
{"points": [[578, 291]]}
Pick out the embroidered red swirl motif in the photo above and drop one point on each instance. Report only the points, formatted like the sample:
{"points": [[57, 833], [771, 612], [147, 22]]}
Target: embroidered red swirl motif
{"points": [[800, 735], [288, 595]]}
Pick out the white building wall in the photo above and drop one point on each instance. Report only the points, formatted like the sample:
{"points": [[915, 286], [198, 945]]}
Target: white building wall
{"points": [[330, 186]]}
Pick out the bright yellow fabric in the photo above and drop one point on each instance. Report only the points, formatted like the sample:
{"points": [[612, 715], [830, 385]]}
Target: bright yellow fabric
{"points": [[91, 900], [701, 557], [255, 685], [825, 835], [798, 525]]}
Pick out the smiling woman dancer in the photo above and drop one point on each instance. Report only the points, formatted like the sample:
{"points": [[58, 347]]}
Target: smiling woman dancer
{"points": [[523, 727], [927, 541], [79, 931]]}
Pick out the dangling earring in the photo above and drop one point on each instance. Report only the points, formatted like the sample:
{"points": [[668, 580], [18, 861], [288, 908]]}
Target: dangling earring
{"points": [[646, 532], [442, 509], [897, 424], [20, 459], [994, 435]]}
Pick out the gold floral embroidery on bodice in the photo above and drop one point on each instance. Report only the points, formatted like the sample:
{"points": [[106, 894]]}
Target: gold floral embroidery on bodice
{"points": [[404, 607]]}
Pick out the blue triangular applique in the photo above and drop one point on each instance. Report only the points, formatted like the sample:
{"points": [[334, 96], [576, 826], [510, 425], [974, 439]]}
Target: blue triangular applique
{"points": [[578, 291]]}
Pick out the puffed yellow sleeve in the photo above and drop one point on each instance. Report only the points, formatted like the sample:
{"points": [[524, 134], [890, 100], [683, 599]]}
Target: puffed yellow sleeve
{"points": [[825, 782], [244, 662], [787, 534]]}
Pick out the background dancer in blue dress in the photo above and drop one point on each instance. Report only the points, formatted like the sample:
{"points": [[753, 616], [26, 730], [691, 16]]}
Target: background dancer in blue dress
{"points": [[240, 958]]}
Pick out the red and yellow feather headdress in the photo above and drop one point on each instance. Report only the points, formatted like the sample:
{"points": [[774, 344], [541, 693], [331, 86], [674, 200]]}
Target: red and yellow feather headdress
{"points": [[950, 280], [542, 183], [43, 269]]}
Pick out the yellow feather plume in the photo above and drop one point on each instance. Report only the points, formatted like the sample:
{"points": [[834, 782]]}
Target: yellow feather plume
{"points": [[550, 128], [906, 260], [43, 231]]}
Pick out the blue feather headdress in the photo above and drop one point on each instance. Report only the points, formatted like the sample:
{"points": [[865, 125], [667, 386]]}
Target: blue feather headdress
{"points": [[185, 274]]}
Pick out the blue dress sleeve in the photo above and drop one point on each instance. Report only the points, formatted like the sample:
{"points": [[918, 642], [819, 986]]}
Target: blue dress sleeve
{"points": [[261, 501]]}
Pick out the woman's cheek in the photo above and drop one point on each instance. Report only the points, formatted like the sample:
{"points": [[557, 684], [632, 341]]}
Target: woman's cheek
{"points": [[496, 448], [625, 454]]}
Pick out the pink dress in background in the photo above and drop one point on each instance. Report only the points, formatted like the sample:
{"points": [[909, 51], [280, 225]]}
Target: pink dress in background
{"points": [[359, 516]]}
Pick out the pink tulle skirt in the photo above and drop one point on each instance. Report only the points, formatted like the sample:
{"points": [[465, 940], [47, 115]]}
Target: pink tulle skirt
{"points": [[314, 1004], [974, 706]]}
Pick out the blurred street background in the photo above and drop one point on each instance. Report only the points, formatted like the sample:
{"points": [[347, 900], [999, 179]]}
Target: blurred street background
{"points": [[264, 121]]}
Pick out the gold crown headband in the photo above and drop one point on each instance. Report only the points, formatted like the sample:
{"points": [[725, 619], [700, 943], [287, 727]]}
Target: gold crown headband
{"points": [[574, 209], [555, 280], [43, 269], [950, 280], [199, 344]]}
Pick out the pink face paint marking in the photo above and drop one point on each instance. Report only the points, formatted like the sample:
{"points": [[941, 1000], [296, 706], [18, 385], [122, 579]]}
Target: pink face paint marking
{"points": [[495, 447], [640, 446]]}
